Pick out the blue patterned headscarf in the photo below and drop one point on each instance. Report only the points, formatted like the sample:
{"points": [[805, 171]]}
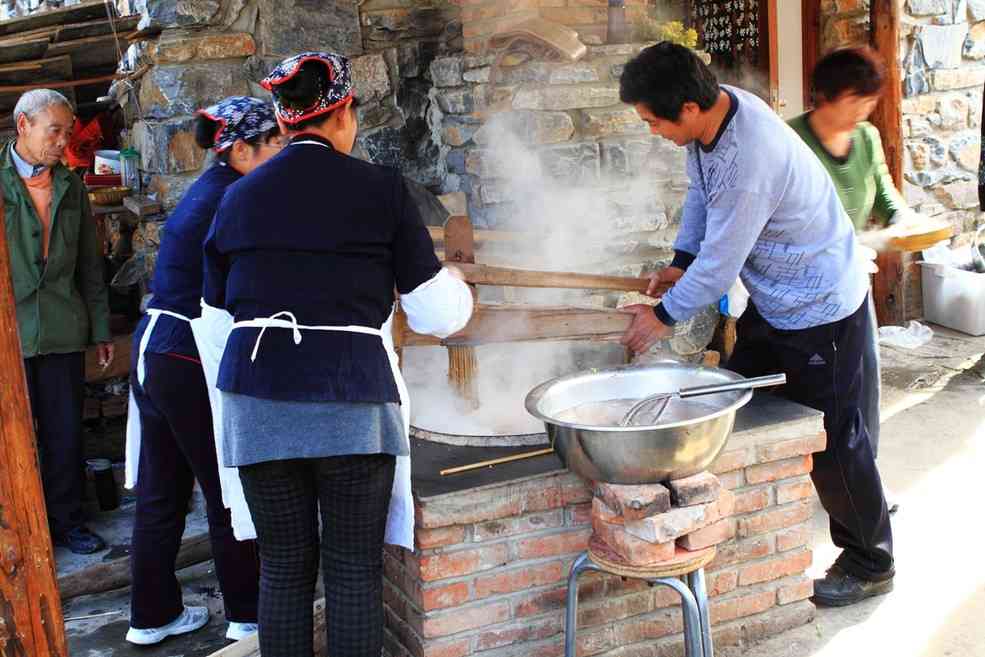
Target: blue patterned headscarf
{"points": [[332, 94], [240, 117]]}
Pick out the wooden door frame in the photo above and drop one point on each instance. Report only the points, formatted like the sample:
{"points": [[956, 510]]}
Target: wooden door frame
{"points": [[810, 24]]}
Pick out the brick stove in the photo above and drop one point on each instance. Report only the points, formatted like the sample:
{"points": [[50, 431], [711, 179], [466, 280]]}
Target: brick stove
{"points": [[495, 547]]}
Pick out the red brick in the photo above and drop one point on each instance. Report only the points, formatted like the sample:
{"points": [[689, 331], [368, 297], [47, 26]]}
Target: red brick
{"points": [[439, 537], [442, 597], [525, 632], [566, 542], [722, 582], [775, 518], [727, 609], [466, 509], [779, 620], [682, 520], [631, 548], [519, 579], [793, 563], [733, 479], [543, 602], [612, 609], [793, 537], [465, 618], [749, 501], [634, 502], [594, 641], [759, 474], [650, 627], [787, 449], [493, 529], [575, 490], [794, 490], [457, 648], [731, 460], [740, 551], [463, 562], [701, 488], [719, 532], [579, 514], [799, 589]]}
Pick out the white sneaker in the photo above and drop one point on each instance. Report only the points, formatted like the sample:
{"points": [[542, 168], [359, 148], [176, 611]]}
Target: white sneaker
{"points": [[239, 631], [191, 619]]}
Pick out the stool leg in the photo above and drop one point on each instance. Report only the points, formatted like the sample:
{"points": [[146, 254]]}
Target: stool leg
{"points": [[571, 607], [692, 618], [696, 581]]}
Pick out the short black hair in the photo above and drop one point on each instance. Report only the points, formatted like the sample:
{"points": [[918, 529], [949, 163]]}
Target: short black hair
{"points": [[858, 71], [664, 77], [206, 130], [303, 90]]}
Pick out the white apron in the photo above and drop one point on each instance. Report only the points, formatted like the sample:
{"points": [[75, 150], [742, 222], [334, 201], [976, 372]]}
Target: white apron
{"points": [[132, 458], [211, 332]]}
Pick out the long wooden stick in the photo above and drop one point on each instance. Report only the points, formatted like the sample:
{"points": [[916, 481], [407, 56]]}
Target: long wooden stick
{"points": [[487, 275], [31, 620], [490, 462]]}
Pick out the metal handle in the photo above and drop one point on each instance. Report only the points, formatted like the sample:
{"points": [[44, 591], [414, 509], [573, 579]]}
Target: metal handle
{"points": [[745, 384]]}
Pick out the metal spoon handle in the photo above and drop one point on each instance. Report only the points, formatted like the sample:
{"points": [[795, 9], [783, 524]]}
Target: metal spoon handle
{"points": [[744, 384]]}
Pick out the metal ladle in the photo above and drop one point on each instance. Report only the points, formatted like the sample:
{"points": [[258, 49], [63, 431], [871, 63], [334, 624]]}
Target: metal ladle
{"points": [[662, 399]]}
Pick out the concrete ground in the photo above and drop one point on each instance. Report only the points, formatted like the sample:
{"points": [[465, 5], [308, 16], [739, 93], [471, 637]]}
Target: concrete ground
{"points": [[932, 459]]}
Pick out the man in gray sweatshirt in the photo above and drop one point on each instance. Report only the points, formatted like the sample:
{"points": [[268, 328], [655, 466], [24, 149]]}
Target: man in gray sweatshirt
{"points": [[762, 208]]}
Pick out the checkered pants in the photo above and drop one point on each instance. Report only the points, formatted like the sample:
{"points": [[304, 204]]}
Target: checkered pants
{"points": [[353, 495]]}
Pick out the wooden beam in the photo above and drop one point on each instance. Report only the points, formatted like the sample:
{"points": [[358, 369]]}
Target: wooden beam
{"points": [[81, 12], [773, 53], [884, 17], [810, 18], [30, 611], [487, 275]]}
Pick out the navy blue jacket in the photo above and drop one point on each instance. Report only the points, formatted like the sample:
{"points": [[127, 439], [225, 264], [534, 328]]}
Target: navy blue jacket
{"points": [[177, 283], [328, 238]]}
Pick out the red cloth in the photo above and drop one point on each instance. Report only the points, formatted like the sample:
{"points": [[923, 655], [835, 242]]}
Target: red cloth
{"points": [[86, 140]]}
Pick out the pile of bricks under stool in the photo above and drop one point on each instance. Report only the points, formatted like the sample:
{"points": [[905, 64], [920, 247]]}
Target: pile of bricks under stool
{"points": [[644, 525]]}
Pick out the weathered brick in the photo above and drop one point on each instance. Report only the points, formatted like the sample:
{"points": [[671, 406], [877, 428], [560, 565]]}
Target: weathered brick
{"points": [[787, 449], [502, 501], [465, 618], [740, 606], [793, 537], [493, 529], [791, 491], [714, 534], [634, 502], [454, 648], [779, 620], [775, 518], [464, 562], [650, 627], [732, 459], [579, 514], [525, 632], [682, 520], [519, 579], [608, 610], [732, 479], [722, 582], [565, 542], [741, 551], [442, 597], [758, 474], [630, 547], [440, 537], [180, 47], [799, 589], [542, 602], [604, 512], [701, 488], [774, 568], [749, 501]]}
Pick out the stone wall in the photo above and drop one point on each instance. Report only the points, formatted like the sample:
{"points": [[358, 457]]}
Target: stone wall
{"points": [[488, 577], [943, 63]]}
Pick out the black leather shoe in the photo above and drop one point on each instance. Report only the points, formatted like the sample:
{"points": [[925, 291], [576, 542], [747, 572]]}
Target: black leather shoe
{"points": [[80, 540], [839, 589]]}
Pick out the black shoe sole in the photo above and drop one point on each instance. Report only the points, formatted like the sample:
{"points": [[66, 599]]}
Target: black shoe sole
{"points": [[877, 588]]}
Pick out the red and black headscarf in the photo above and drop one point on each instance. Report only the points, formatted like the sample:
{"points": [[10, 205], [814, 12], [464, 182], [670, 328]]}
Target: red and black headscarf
{"points": [[335, 90], [239, 117]]}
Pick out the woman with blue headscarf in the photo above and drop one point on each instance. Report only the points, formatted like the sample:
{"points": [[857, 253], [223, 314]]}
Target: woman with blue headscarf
{"points": [[170, 439]]}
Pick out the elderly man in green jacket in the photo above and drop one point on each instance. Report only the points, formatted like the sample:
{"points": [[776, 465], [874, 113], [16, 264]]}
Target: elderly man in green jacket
{"points": [[57, 269]]}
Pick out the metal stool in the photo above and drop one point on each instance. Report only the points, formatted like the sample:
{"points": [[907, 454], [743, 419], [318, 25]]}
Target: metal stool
{"points": [[694, 598]]}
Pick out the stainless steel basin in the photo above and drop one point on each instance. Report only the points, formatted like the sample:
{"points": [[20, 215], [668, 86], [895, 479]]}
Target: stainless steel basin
{"points": [[637, 454]]}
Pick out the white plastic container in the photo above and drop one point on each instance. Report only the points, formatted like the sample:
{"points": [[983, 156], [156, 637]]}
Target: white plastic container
{"points": [[954, 298]]}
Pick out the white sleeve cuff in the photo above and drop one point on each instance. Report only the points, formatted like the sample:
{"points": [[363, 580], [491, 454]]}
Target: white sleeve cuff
{"points": [[439, 306]]}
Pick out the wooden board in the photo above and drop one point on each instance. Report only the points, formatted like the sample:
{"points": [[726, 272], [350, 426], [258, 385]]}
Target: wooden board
{"points": [[124, 26], [85, 11], [26, 50], [90, 52], [37, 70], [504, 276], [495, 324]]}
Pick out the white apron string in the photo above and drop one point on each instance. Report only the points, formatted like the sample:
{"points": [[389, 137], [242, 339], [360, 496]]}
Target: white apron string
{"points": [[263, 323]]}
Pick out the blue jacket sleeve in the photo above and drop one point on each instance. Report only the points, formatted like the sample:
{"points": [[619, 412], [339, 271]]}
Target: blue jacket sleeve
{"points": [[215, 269]]}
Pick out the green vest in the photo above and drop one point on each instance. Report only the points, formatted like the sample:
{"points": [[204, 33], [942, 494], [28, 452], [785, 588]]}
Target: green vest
{"points": [[62, 305]]}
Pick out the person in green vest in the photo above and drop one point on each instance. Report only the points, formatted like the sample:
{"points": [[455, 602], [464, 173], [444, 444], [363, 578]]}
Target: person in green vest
{"points": [[847, 85], [62, 304]]}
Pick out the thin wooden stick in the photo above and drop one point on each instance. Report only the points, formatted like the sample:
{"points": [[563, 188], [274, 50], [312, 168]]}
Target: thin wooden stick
{"points": [[504, 459]]}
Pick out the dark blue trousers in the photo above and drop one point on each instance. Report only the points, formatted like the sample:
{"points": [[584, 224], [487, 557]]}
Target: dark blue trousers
{"points": [[824, 368], [178, 447]]}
